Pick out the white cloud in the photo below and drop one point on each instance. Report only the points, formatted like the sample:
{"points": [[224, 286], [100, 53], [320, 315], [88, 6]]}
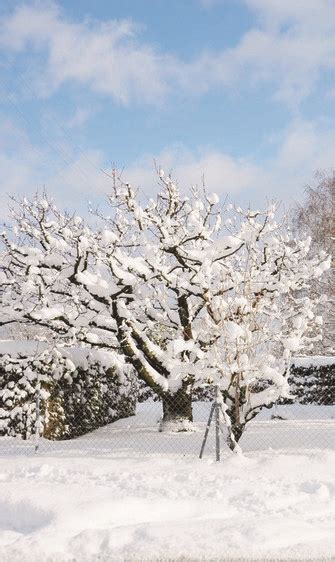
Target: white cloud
{"points": [[305, 147], [302, 149], [288, 46], [79, 118], [297, 153], [17, 175], [292, 42], [72, 177], [315, 14], [103, 55], [220, 172]]}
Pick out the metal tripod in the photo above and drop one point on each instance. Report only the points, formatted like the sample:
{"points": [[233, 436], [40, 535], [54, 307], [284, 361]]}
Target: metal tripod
{"points": [[216, 407]]}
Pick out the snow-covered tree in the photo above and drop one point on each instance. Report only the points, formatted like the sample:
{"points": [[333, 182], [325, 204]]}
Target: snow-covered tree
{"points": [[262, 315], [136, 285], [176, 235], [183, 296]]}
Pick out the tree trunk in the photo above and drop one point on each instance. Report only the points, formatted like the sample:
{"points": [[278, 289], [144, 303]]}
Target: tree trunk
{"points": [[235, 432], [236, 426], [177, 411]]}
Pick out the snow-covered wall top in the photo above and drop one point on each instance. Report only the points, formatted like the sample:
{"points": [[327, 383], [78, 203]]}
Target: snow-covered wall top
{"points": [[15, 347], [313, 361], [80, 356]]}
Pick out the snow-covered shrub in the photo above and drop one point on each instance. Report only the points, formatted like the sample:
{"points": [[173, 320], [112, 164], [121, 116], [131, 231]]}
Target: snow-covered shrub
{"points": [[76, 392], [312, 380], [98, 394], [25, 381]]}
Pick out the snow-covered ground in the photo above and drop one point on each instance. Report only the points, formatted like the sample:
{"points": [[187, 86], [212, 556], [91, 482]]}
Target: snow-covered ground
{"points": [[140, 495]]}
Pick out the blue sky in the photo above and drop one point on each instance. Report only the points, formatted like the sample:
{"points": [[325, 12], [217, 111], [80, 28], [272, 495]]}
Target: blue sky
{"points": [[240, 91]]}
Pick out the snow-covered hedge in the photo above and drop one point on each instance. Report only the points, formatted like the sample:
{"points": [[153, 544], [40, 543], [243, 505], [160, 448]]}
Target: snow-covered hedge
{"points": [[312, 380], [71, 391]]}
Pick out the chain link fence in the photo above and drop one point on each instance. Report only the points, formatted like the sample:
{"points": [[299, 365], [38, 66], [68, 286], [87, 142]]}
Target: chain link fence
{"points": [[85, 408]]}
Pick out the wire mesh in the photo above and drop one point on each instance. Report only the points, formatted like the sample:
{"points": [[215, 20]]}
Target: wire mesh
{"points": [[94, 415]]}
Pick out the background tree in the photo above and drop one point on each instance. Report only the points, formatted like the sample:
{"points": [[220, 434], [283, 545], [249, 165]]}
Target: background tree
{"points": [[315, 217]]}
